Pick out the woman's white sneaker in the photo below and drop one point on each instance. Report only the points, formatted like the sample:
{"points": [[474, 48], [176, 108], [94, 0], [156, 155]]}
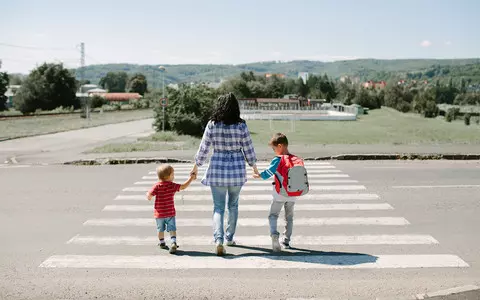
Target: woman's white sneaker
{"points": [[275, 244]]}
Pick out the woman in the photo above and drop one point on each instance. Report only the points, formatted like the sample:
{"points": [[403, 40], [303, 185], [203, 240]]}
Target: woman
{"points": [[230, 139]]}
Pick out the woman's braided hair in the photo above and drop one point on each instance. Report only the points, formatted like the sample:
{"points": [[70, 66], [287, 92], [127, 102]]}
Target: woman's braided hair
{"points": [[227, 110]]}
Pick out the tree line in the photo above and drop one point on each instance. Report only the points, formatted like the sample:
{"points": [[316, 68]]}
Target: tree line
{"points": [[50, 86]]}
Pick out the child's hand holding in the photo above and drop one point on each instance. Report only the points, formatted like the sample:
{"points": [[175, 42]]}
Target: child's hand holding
{"points": [[256, 175]]}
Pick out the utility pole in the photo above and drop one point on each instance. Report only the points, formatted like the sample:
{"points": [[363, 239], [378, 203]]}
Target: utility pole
{"points": [[162, 69], [82, 79]]}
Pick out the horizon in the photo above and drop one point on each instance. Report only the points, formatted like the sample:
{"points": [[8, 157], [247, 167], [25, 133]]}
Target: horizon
{"points": [[216, 32]]}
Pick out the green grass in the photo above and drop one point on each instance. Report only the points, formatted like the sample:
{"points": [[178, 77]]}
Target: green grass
{"points": [[160, 141], [29, 126], [384, 126]]}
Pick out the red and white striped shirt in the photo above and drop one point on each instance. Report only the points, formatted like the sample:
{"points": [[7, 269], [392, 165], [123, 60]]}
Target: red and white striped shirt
{"points": [[164, 192]]}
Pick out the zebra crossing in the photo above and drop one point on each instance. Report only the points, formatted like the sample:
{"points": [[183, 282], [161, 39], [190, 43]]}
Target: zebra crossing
{"points": [[338, 225]]}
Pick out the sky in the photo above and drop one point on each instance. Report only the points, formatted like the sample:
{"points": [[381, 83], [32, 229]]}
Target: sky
{"points": [[233, 31]]}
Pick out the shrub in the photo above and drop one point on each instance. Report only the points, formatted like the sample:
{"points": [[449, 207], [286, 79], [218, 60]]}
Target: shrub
{"points": [[466, 119], [97, 101]]}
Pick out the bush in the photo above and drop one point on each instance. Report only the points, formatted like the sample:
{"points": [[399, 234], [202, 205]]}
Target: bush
{"points": [[466, 119], [97, 101], [431, 109], [188, 124], [188, 110], [450, 116]]}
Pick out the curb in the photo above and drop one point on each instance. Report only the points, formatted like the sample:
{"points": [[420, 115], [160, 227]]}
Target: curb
{"points": [[411, 156], [124, 161], [459, 291], [406, 156]]}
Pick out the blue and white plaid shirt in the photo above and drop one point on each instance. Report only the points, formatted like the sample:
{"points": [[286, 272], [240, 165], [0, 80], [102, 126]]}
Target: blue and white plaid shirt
{"points": [[232, 145]]}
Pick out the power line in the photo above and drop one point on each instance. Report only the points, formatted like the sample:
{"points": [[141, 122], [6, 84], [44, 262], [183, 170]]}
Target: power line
{"points": [[35, 48]]}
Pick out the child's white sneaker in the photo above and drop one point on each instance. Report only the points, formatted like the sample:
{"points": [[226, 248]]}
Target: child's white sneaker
{"points": [[275, 244], [231, 243]]}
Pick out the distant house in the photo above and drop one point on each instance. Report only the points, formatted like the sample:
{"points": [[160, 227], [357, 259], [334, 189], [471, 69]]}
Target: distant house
{"points": [[118, 97], [11, 93], [269, 75], [376, 85]]}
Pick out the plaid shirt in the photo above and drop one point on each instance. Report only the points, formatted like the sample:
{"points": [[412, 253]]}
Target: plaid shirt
{"points": [[232, 145]]}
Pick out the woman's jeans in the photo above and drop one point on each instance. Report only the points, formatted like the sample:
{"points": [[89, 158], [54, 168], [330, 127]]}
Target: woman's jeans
{"points": [[219, 194]]}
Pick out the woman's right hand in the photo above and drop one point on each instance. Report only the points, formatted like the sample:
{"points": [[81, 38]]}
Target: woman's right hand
{"points": [[194, 170]]}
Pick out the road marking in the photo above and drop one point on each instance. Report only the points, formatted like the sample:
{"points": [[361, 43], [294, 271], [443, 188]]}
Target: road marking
{"points": [[14, 166], [317, 176], [265, 182], [259, 240], [187, 168], [343, 261], [256, 207], [436, 186], [267, 187], [253, 222], [320, 197], [310, 172]]}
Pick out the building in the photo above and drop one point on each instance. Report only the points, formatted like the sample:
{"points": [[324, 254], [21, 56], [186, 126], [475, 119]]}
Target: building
{"points": [[376, 85], [10, 93], [269, 75], [304, 76], [118, 97]]}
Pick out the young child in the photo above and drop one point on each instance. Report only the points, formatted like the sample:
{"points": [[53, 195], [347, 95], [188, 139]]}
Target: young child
{"points": [[164, 213], [279, 144]]}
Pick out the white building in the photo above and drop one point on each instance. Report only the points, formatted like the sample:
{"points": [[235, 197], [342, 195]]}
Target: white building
{"points": [[304, 76]]}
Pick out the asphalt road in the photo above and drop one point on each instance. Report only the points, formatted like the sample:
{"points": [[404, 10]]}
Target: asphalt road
{"points": [[68, 145], [46, 211]]}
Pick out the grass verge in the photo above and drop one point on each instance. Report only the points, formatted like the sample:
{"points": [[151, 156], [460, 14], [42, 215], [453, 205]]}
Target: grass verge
{"points": [[36, 125]]}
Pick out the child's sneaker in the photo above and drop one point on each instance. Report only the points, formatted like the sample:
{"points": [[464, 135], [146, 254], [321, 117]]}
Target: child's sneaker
{"points": [[173, 248], [286, 245], [163, 246], [231, 243], [219, 249], [275, 244]]}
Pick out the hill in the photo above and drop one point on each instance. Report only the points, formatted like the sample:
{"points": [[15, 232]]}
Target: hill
{"points": [[364, 69]]}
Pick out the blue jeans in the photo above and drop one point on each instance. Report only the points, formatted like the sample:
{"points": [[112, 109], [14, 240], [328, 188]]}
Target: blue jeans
{"points": [[219, 194]]}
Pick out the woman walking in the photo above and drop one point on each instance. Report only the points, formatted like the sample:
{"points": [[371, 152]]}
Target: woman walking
{"points": [[230, 139]]}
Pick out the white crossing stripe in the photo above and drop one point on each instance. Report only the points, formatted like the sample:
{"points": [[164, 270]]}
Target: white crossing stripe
{"points": [[206, 197], [258, 188], [346, 261], [259, 165], [437, 186], [310, 176], [253, 222], [264, 182], [259, 240], [255, 207]]}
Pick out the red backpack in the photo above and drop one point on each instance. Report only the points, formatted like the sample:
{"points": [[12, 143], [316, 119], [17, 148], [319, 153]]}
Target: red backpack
{"points": [[291, 178]]}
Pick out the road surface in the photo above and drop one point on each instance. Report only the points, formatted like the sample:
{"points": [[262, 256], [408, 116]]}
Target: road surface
{"points": [[366, 230], [68, 145]]}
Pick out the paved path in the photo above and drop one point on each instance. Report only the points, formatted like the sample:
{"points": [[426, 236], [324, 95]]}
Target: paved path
{"points": [[367, 229], [58, 147]]}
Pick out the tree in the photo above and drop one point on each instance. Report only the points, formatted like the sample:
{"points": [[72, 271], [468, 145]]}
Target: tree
{"points": [[301, 88], [115, 82], [189, 109], [138, 84], [15, 79], [4, 80], [466, 119], [47, 87]]}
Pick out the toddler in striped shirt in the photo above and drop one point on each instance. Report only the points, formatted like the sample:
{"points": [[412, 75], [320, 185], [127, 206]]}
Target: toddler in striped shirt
{"points": [[164, 211]]}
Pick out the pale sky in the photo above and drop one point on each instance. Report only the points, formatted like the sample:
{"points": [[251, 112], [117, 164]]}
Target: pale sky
{"points": [[234, 32]]}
